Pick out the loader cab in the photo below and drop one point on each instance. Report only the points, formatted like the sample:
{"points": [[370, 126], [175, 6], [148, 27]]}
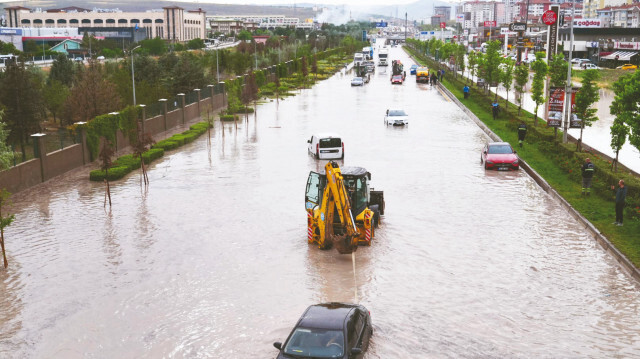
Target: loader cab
{"points": [[356, 180]]}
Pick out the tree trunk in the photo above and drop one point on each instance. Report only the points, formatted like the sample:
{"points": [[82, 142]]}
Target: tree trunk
{"points": [[579, 147], [22, 149], [535, 118], [506, 102], [4, 254]]}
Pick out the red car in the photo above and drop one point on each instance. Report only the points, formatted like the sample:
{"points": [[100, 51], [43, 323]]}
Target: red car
{"points": [[396, 79], [499, 156]]}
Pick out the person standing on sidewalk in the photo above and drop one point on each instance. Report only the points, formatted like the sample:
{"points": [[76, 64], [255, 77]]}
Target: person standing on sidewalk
{"points": [[621, 195], [587, 174]]}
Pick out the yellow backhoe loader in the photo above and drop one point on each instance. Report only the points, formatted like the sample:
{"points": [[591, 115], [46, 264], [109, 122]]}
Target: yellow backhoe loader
{"points": [[342, 210]]}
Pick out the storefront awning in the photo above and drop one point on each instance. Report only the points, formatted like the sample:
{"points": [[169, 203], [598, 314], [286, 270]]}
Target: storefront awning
{"points": [[624, 56]]}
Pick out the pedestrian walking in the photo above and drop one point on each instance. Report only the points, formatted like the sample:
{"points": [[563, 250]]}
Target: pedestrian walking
{"points": [[465, 90], [522, 132], [495, 108], [621, 195], [587, 174]]}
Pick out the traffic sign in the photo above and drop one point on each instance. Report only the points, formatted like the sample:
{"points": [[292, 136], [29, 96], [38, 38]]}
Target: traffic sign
{"points": [[518, 26], [550, 17]]}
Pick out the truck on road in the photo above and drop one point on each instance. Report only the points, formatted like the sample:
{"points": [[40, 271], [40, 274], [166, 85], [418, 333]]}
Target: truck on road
{"points": [[383, 56]]}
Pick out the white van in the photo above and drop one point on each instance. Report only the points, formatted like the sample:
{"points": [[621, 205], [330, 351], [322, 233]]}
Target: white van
{"points": [[326, 146]]}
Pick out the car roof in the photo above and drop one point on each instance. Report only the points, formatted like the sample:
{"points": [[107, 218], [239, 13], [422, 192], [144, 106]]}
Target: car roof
{"points": [[327, 315], [499, 144], [397, 109], [326, 135]]}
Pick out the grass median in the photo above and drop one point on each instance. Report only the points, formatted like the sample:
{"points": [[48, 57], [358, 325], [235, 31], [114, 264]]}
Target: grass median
{"points": [[559, 164]]}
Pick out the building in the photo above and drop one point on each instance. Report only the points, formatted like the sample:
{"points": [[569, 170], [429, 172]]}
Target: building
{"points": [[591, 6], [536, 8], [443, 11], [436, 20], [477, 12], [228, 26], [169, 23], [67, 45]]}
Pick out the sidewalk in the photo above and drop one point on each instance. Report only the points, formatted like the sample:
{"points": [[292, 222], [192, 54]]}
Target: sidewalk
{"points": [[597, 136]]}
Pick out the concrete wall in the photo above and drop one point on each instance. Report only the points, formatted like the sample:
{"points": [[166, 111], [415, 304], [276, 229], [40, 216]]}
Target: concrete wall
{"points": [[21, 177], [31, 173], [64, 160]]}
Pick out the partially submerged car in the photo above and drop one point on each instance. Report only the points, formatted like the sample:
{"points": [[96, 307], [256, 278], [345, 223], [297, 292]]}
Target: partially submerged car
{"points": [[329, 330], [396, 117], [357, 81], [397, 79], [499, 156]]}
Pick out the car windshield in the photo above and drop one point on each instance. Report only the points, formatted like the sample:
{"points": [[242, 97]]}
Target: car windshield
{"points": [[330, 142], [356, 79], [499, 149], [315, 343], [397, 113]]}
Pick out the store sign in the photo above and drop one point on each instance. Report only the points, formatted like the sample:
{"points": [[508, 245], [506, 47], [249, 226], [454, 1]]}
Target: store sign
{"points": [[626, 45], [518, 26], [8, 31], [490, 24], [460, 18], [556, 104], [506, 31], [587, 23], [550, 17]]}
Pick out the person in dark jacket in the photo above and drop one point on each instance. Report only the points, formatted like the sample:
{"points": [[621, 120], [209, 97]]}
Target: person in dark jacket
{"points": [[522, 132], [587, 174], [621, 195], [495, 109]]}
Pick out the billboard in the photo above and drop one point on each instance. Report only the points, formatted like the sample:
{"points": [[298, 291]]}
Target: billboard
{"points": [[587, 23], [460, 18], [489, 24], [381, 24], [10, 31], [556, 104]]}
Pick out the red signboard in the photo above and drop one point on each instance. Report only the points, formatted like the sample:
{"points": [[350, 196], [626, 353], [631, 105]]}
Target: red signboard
{"points": [[556, 104], [489, 24], [549, 17], [443, 25]]}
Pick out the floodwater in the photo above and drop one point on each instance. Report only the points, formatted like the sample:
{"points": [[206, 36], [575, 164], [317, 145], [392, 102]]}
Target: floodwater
{"points": [[213, 262]]}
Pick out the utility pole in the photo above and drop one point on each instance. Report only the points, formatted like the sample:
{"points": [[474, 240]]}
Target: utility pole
{"points": [[567, 90], [405, 27]]}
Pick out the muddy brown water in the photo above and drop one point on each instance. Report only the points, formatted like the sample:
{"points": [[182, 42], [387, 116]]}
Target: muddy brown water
{"points": [[212, 261]]}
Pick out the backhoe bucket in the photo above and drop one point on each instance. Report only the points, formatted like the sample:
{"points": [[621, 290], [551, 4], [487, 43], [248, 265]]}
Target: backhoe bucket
{"points": [[344, 244]]}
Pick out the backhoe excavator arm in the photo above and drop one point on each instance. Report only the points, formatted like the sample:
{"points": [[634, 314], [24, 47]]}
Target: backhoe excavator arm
{"points": [[338, 197]]}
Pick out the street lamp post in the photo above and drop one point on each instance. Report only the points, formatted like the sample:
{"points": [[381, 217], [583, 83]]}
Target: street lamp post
{"points": [[133, 78]]}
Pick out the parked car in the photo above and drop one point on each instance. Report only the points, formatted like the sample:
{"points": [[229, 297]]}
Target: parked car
{"points": [[500, 156], [100, 58], [326, 146], [357, 81], [396, 79], [579, 61], [412, 69], [627, 67], [329, 330], [78, 59], [396, 117], [590, 66]]}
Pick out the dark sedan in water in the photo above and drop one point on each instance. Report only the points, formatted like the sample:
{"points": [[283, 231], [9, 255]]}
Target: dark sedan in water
{"points": [[329, 330]]}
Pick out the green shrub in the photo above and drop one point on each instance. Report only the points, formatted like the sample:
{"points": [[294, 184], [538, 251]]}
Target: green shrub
{"points": [[115, 173], [166, 145], [127, 161], [177, 138], [228, 117], [152, 155]]}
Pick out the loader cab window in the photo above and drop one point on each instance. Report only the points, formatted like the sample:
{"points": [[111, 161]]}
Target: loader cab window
{"points": [[357, 188], [315, 186]]}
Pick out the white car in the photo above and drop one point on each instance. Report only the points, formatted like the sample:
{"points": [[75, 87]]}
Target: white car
{"points": [[396, 117], [357, 81], [579, 61], [326, 146], [590, 66]]}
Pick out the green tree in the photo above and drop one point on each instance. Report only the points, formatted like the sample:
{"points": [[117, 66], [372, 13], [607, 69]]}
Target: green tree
{"points": [[31, 47], [188, 74], [522, 77], [21, 94], [6, 154], [155, 47], [8, 48], [62, 70], [472, 58], [540, 69], [492, 62], [585, 98], [507, 78], [55, 94], [626, 103], [92, 95], [558, 68], [619, 133], [195, 44], [244, 35], [5, 221], [459, 55]]}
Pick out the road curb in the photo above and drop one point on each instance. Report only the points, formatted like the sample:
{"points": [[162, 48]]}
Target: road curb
{"points": [[588, 226]]}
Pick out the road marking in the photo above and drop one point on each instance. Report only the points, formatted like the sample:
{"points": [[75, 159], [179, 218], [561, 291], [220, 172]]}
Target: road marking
{"points": [[443, 94]]}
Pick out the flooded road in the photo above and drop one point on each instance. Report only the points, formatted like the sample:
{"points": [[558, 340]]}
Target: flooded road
{"points": [[213, 262]]}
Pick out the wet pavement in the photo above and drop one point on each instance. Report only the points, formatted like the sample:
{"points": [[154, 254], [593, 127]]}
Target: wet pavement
{"points": [[213, 262]]}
